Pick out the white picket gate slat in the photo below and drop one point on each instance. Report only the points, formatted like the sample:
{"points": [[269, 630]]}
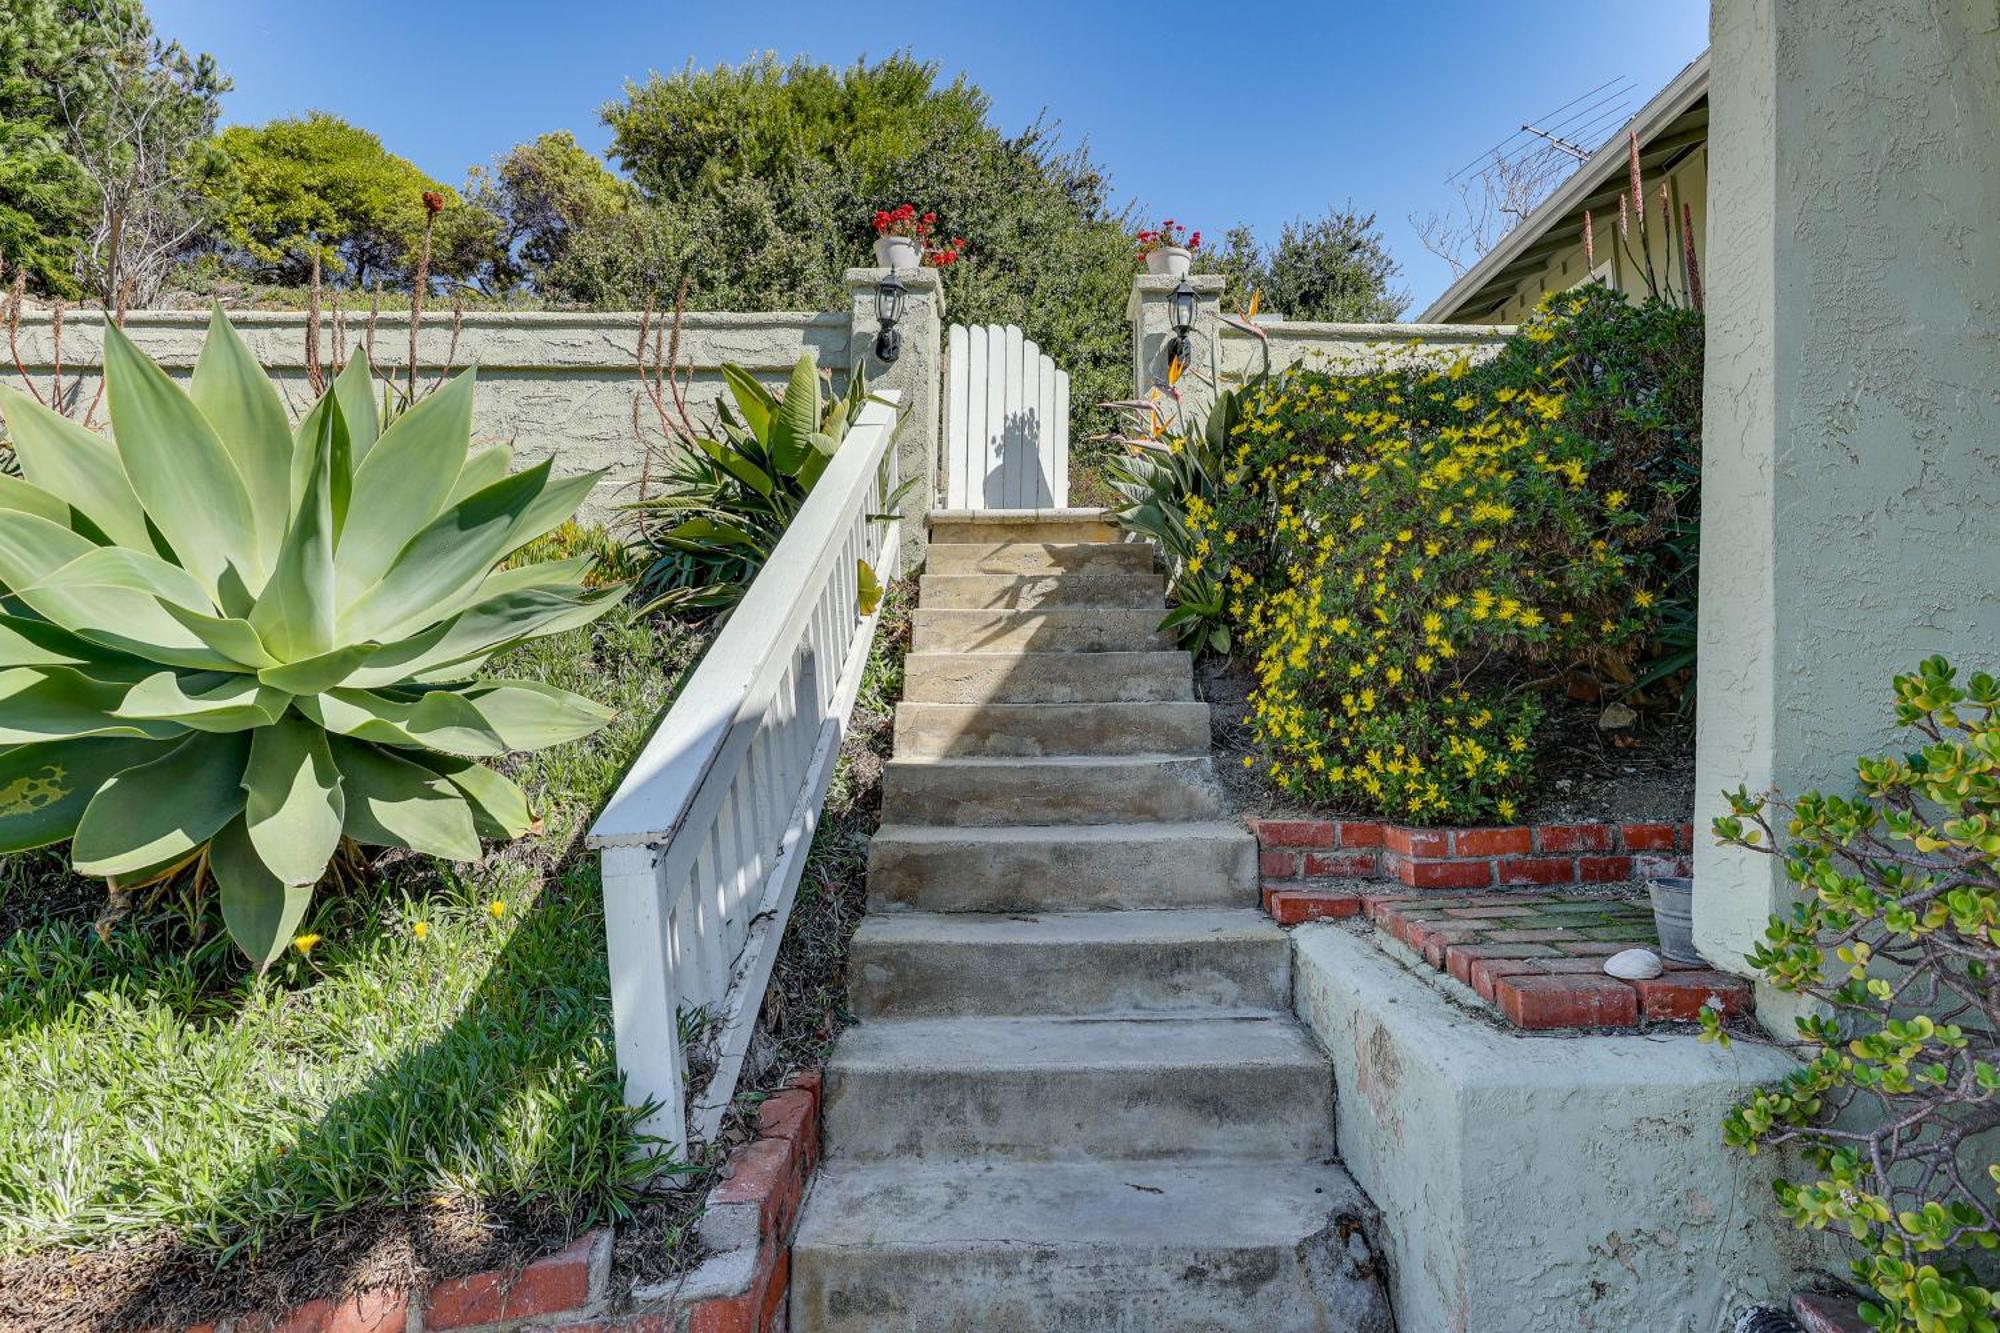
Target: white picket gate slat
{"points": [[1006, 422]]}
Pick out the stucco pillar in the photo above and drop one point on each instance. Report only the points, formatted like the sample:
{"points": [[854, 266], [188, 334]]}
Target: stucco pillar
{"points": [[916, 372], [1150, 311], [1851, 470]]}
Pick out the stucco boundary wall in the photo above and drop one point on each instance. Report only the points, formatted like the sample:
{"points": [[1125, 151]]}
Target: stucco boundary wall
{"points": [[561, 385], [1225, 356], [1537, 1182], [1350, 347]]}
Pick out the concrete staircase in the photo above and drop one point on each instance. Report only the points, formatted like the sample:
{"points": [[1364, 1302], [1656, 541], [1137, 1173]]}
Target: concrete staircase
{"points": [[1076, 1098]]}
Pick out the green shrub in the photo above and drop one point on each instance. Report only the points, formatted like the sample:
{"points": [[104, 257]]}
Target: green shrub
{"points": [[1898, 1105], [234, 647], [725, 502], [1415, 546]]}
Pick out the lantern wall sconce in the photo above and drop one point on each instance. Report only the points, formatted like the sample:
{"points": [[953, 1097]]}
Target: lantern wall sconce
{"points": [[890, 294], [1183, 304]]}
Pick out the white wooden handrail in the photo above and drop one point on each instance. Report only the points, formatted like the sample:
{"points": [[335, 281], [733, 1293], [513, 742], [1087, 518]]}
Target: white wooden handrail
{"points": [[704, 840]]}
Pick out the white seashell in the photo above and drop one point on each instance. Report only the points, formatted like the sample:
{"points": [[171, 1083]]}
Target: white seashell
{"points": [[1634, 965]]}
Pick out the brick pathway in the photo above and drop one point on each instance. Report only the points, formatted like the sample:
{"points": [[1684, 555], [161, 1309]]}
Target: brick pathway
{"points": [[1536, 957]]}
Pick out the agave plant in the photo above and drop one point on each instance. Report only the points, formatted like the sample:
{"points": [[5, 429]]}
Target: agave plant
{"points": [[228, 645], [725, 502]]}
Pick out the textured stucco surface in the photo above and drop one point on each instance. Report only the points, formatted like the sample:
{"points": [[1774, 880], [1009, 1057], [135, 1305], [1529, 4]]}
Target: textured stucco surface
{"points": [[1852, 464], [561, 385], [1540, 1183], [1338, 347], [1226, 356]]}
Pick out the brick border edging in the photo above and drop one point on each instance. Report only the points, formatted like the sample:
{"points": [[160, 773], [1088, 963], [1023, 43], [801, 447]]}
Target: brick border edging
{"points": [[747, 1227], [1309, 853]]}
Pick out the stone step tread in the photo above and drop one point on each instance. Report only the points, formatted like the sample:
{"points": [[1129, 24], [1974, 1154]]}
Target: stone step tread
{"points": [[1030, 763], [1004, 591], [1201, 1045], [1061, 629], [936, 1205], [1059, 546], [1202, 830], [1052, 930], [1048, 730]]}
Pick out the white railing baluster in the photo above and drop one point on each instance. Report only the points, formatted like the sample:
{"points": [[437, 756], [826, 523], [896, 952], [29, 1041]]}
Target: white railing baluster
{"points": [[705, 839]]}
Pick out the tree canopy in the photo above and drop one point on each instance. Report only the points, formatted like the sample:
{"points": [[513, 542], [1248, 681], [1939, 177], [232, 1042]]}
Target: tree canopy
{"points": [[1332, 268], [319, 181], [108, 168]]}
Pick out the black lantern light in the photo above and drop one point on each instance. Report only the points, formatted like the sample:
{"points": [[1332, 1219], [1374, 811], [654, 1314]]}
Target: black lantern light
{"points": [[889, 296], [1183, 304]]}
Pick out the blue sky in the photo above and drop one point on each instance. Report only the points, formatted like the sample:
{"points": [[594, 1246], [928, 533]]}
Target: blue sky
{"points": [[1216, 114]]}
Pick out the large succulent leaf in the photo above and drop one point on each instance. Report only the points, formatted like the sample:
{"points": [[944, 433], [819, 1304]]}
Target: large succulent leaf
{"points": [[235, 396], [556, 501], [234, 638], [54, 703], [44, 788], [120, 598], [483, 466], [260, 909], [203, 701], [152, 813], [404, 484], [327, 419], [529, 715], [444, 561], [33, 547], [294, 616], [796, 419], [354, 388], [485, 627], [26, 642], [76, 466], [392, 802], [295, 805], [26, 498], [180, 471], [315, 674], [499, 808], [443, 720]]}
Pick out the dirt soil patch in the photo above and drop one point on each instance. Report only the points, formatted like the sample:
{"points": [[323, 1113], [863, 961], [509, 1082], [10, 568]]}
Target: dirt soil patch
{"points": [[1584, 773]]}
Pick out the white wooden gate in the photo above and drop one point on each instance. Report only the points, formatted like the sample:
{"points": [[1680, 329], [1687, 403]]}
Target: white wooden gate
{"points": [[1006, 422]]}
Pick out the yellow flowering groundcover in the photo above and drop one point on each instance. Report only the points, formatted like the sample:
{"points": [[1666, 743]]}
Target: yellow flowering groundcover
{"points": [[1413, 549]]}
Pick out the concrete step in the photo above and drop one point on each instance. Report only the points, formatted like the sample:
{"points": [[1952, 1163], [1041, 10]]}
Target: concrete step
{"points": [[1050, 630], [1038, 557], [1023, 525], [1075, 868], [1019, 592], [924, 965], [1074, 1089], [921, 1247], [1024, 730], [1069, 789], [1048, 678]]}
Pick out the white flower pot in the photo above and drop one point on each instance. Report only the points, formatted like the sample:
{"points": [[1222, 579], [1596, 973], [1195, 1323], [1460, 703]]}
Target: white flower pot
{"points": [[1169, 261], [897, 252]]}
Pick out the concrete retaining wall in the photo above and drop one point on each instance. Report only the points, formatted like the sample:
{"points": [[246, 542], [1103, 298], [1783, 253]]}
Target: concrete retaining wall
{"points": [[1533, 1183]]}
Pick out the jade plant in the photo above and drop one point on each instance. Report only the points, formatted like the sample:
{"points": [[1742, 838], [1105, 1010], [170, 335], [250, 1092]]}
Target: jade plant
{"points": [[1896, 939], [231, 648]]}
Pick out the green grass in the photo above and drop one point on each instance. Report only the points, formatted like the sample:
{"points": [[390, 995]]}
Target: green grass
{"points": [[447, 1038]]}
